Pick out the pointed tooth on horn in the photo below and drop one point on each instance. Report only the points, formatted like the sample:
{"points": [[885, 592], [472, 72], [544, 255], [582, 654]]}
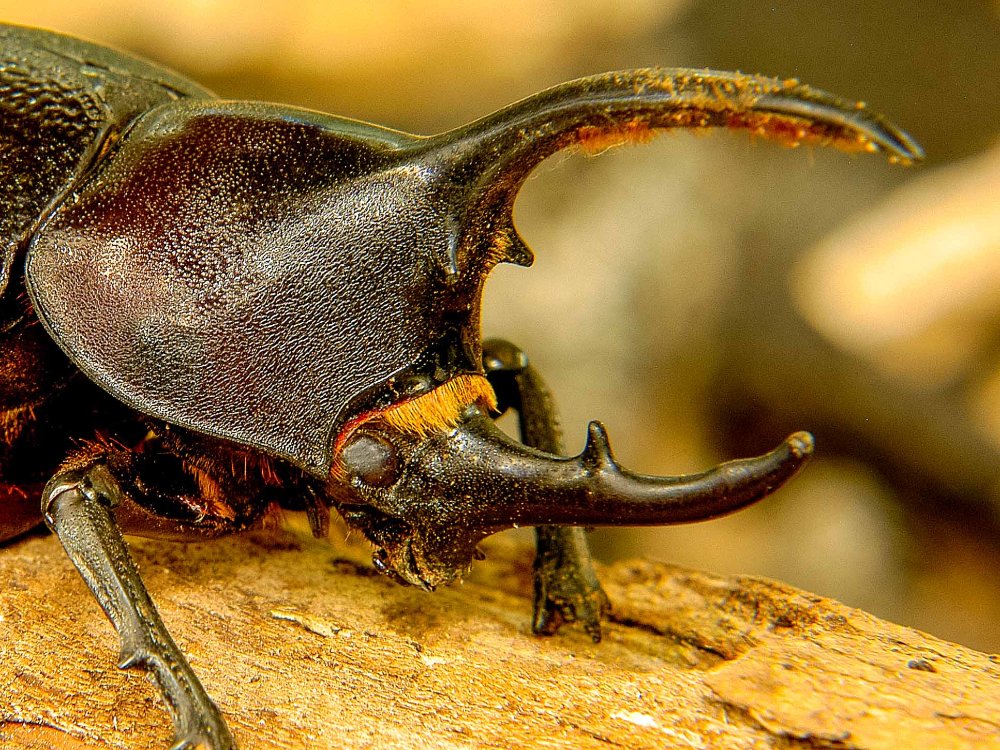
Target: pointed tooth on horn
{"points": [[597, 452], [510, 247]]}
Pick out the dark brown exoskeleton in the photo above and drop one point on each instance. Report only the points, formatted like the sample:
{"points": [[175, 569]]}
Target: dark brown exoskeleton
{"points": [[244, 304]]}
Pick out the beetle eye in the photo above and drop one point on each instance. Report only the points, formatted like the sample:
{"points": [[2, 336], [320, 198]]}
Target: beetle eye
{"points": [[372, 459]]}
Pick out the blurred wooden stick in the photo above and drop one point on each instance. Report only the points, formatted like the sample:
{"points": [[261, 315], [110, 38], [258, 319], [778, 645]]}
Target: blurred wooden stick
{"points": [[302, 646]]}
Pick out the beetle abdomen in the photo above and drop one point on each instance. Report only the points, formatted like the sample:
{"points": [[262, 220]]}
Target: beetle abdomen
{"points": [[60, 100]]}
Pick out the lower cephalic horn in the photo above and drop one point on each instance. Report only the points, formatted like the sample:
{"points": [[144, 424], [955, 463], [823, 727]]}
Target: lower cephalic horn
{"points": [[508, 484]]}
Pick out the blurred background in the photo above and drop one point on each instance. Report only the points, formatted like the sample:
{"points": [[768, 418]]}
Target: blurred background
{"points": [[705, 296]]}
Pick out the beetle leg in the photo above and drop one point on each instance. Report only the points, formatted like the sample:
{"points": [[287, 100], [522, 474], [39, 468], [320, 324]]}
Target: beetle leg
{"points": [[77, 505], [566, 586]]}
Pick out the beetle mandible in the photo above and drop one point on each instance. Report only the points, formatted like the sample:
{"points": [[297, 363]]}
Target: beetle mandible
{"points": [[237, 284]]}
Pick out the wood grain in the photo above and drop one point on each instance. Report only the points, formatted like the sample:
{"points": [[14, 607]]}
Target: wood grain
{"points": [[303, 646]]}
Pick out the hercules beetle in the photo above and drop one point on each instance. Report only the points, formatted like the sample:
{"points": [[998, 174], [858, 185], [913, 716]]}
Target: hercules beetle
{"points": [[244, 304]]}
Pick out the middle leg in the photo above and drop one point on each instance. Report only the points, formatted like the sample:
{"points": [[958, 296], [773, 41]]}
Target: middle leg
{"points": [[566, 586]]}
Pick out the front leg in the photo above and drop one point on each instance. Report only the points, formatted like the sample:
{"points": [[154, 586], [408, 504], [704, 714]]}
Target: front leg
{"points": [[566, 586], [77, 504]]}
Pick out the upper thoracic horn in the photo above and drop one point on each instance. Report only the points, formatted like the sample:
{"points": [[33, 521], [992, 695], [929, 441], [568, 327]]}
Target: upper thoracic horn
{"points": [[509, 484], [484, 163]]}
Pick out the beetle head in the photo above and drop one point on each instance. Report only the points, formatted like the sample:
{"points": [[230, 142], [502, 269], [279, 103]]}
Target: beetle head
{"points": [[427, 488], [425, 536]]}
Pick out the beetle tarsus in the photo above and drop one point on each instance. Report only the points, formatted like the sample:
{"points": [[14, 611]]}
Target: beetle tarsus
{"points": [[77, 507], [566, 586]]}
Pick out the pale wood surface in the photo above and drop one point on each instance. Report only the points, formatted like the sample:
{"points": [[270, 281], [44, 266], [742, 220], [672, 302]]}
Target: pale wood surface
{"points": [[303, 646]]}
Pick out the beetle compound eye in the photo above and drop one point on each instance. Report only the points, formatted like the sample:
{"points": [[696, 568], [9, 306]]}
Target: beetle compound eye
{"points": [[372, 459]]}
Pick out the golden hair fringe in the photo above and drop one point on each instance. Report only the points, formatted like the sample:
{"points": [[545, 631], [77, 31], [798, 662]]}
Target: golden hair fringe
{"points": [[437, 410], [441, 408], [594, 140]]}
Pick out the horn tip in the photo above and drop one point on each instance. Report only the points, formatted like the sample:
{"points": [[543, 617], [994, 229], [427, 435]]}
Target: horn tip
{"points": [[801, 444], [904, 150]]}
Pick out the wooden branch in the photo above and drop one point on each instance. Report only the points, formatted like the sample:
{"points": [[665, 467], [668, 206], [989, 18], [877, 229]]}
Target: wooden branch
{"points": [[303, 646]]}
